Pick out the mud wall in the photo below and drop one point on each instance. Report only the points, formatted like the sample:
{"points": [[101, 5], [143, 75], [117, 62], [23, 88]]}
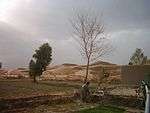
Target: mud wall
{"points": [[134, 74]]}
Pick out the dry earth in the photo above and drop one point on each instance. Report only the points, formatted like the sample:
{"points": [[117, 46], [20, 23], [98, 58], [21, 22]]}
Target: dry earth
{"points": [[110, 73], [76, 72]]}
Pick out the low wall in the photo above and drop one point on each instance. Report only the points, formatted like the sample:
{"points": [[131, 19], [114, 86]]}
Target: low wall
{"points": [[134, 74]]}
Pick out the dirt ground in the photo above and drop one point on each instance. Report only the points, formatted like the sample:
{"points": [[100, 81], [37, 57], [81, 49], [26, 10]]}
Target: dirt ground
{"points": [[59, 108], [12, 88], [72, 107], [16, 88], [24, 87]]}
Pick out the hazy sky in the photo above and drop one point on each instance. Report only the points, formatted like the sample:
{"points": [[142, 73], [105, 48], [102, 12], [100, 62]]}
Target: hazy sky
{"points": [[26, 24]]}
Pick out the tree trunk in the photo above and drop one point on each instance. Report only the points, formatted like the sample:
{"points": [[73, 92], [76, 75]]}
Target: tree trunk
{"points": [[87, 71], [34, 79]]}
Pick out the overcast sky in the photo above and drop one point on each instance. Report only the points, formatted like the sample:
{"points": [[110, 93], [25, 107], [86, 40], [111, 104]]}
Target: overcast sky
{"points": [[26, 24]]}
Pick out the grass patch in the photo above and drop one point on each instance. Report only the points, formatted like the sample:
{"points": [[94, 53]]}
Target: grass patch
{"points": [[102, 109], [25, 87]]}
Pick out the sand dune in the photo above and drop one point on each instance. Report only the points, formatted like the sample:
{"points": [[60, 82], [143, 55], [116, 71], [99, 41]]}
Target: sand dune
{"points": [[77, 72]]}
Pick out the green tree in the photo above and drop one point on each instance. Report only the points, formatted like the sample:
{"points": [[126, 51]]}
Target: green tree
{"points": [[41, 59], [138, 57]]}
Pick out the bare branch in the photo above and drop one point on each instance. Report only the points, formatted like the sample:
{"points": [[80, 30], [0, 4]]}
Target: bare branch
{"points": [[89, 33]]}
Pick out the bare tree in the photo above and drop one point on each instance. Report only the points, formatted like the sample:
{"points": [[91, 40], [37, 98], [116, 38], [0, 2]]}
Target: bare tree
{"points": [[88, 30]]}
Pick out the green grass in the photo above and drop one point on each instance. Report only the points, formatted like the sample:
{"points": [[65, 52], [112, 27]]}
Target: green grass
{"points": [[103, 109]]}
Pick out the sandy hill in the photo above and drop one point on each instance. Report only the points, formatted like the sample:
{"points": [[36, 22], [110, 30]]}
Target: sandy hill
{"points": [[74, 72], [77, 72], [102, 63]]}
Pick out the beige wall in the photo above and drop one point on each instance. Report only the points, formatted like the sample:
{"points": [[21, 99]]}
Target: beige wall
{"points": [[134, 74]]}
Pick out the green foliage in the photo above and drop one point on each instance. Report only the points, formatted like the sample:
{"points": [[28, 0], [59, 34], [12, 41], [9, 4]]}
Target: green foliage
{"points": [[138, 58], [43, 56], [41, 59], [103, 109]]}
